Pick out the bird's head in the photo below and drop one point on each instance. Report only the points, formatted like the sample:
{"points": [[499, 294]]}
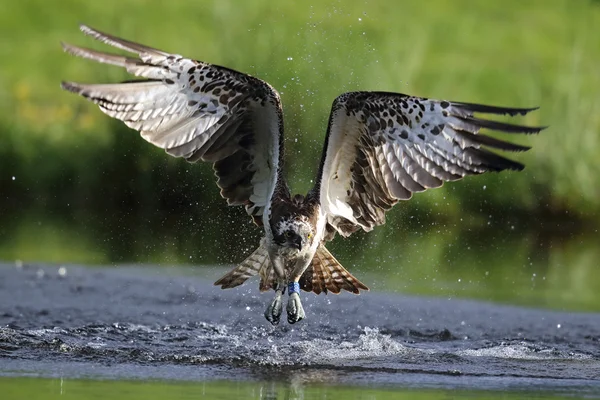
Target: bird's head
{"points": [[294, 233]]}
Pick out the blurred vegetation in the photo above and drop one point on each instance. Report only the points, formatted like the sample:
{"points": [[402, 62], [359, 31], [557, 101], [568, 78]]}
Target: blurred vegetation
{"points": [[67, 170], [57, 149]]}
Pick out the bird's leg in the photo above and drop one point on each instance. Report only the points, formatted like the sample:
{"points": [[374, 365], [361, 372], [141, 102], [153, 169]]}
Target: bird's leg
{"points": [[294, 308], [273, 311]]}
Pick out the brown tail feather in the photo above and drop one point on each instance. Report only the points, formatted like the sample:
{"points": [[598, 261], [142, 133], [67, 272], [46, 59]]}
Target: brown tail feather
{"points": [[256, 263], [326, 274]]}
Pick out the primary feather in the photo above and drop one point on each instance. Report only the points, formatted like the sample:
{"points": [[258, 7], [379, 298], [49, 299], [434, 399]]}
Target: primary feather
{"points": [[197, 111], [383, 147]]}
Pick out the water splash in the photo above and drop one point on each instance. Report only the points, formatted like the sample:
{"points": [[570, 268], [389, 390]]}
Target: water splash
{"points": [[133, 317]]}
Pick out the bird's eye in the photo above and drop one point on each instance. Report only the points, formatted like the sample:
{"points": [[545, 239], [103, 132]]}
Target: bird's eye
{"points": [[309, 235], [288, 234]]}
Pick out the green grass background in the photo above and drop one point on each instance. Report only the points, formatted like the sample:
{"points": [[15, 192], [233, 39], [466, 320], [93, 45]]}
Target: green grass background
{"points": [[513, 53]]}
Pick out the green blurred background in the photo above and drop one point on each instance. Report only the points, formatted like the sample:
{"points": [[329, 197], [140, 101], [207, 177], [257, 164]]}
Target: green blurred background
{"points": [[77, 187]]}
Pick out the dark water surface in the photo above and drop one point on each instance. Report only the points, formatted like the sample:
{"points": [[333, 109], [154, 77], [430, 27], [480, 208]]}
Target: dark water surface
{"points": [[148, 323]]}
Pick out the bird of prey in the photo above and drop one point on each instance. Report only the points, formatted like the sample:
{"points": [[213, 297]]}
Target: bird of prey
{"points": [[379, 148]]}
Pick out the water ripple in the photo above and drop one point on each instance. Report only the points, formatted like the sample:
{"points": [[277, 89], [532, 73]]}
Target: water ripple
{"points": [[136, 318]]}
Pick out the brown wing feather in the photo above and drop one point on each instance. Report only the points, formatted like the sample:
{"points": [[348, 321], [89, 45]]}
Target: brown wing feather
{"points": [[382, 147], [197, 111]]}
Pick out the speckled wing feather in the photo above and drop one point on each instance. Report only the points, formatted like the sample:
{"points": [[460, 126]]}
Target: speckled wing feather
{"points": [[325, 274], [383, 147], [197, 111]]}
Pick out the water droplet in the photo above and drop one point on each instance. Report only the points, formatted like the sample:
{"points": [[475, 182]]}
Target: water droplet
{"points": [[289, 58], [558, 326], [14, 178], [62, 271]]}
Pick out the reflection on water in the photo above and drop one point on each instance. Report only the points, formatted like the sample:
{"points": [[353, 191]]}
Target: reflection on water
{"points": [[500, 259], [66, 389]]}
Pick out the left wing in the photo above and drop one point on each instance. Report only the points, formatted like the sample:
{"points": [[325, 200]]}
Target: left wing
{"points": [[383, 147], [198, 111]]}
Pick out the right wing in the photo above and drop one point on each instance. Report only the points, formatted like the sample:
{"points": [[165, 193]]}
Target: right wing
{"points": [[383, 147], [197, 111]]}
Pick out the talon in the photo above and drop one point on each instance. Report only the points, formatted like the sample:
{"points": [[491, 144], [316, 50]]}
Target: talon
{"points": [[295, 311], [273, 311]]}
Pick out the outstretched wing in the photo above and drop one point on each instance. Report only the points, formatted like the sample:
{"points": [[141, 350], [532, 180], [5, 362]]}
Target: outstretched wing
{"points": [[197, 111], [383, 147]]}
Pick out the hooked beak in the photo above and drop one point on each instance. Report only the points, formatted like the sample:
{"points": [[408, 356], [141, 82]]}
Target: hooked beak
{"points": [[297, 243]]}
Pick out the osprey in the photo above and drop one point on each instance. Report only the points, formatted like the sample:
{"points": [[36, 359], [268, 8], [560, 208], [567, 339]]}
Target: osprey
{"points": [[379, 148]]}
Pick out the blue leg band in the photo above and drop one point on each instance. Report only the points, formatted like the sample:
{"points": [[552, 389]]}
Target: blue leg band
{"points": [[293, 287]]}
